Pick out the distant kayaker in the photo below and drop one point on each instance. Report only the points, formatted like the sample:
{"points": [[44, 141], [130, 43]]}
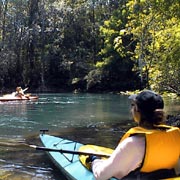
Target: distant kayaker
{"points": [[20, 92], [149, 151]]}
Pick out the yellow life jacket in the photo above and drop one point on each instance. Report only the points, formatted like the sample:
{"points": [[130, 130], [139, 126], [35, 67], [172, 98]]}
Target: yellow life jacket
{"points": [[162, 149]]}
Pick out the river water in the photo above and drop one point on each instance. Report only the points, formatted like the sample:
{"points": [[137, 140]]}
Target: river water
{"points": [[99, 119]]}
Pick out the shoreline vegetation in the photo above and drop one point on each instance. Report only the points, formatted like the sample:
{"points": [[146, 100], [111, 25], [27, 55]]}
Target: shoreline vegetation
{"points": [[89, 46], [173, 120]]}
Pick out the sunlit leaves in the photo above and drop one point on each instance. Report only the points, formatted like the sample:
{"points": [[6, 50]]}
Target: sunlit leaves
{"points": [[155, 26]]}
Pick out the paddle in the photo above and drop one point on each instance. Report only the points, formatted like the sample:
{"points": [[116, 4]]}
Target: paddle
{"points": [[25, 89], [69, 151], [25, 95]]}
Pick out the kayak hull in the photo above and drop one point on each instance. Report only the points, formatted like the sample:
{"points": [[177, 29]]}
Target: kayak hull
{"points": [[68, 164], [11, 98]]}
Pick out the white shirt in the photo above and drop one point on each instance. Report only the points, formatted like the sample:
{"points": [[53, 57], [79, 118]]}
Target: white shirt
{"points": [[127, 156]]}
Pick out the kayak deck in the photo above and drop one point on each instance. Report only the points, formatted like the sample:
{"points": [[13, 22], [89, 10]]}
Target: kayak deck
{"points": [[69, 164]]}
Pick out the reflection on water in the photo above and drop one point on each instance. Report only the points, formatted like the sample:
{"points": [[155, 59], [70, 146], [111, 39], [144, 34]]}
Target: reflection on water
{"points": [[95, 119], [18, 161]]}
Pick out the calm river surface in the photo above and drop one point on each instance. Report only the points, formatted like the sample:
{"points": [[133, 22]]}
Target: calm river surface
{"points": [[89, 118]]}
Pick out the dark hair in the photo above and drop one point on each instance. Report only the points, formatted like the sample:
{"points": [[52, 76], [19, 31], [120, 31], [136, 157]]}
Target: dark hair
{"points": [[150, 105], [154, 118]]}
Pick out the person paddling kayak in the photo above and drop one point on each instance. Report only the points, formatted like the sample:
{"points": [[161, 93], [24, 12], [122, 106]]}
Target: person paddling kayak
{"points": [[149, 151], [20, 92]]}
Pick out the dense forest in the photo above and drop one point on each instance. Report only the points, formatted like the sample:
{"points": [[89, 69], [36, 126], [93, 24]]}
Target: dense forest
{"points": [[90, 45]]}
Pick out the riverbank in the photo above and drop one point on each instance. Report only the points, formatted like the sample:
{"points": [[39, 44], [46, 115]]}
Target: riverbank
{"points": [[173, 120]]}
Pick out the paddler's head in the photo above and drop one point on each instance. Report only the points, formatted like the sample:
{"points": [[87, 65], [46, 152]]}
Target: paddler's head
{"points": [[147, 107], [18, 89]]}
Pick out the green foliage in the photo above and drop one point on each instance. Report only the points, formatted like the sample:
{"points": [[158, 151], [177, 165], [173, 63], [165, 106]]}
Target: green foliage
{"points": [[147, 32], [170, 48], [155, 27], [113, 45], [116, 63]]}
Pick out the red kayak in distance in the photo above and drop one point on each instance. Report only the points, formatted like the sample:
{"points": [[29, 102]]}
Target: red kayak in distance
{"points": [[10, 97]]}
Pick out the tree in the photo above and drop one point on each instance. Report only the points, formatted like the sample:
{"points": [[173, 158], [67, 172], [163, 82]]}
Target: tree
{"points": [[116, 64], [154, 25], [56, 43]]}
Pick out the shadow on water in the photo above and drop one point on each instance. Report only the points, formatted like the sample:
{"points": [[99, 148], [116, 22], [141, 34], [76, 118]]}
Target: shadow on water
{"points": [[20, 162]]}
